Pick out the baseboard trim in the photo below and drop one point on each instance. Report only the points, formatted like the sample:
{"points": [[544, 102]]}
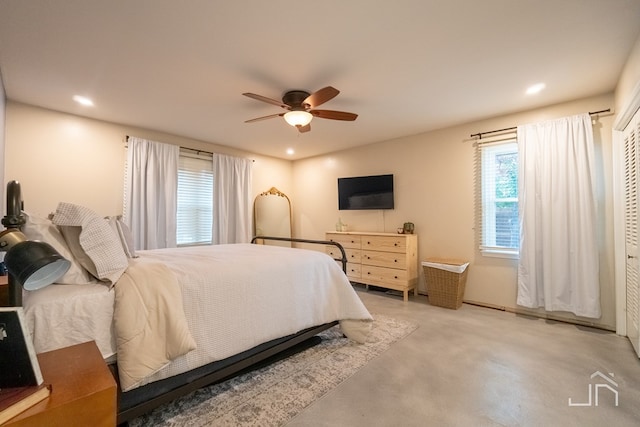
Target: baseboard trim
{"points": [[545, 316]]}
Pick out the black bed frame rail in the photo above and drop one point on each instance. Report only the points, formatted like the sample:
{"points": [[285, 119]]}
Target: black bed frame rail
{"points": [[221, 370], [317, 242], [246, 361]]}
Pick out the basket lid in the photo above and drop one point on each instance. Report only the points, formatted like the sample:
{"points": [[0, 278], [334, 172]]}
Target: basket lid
{"points": [[450, 261], [454, 266]]}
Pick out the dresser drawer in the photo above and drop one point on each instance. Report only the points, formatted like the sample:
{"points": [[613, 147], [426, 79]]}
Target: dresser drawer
{"points": [[385, 259], [384, 243], [346, 240], [382, 275], [353, 255], [354, 271]]}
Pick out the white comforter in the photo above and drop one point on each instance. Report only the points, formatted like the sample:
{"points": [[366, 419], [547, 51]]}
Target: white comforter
{"points": [[238, 296], [234, 298]]}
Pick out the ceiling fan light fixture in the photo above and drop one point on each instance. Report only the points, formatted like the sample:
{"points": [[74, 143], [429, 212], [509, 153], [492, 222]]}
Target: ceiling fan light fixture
{"points": [[298, 118]]}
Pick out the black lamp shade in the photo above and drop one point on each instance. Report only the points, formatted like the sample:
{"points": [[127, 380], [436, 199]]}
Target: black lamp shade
{"points": [[35, 264]]}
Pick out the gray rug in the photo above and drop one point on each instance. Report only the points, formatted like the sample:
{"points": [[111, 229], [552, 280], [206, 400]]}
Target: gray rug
{"points": [[272, 395]]}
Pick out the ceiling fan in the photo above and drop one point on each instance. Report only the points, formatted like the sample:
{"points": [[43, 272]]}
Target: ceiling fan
{"points": [[300, 106]]}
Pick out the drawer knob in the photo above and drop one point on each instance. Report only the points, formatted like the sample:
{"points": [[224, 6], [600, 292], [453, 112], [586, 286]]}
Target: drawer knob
{"points": [[395, 260], [395, 277], [395, 244]]}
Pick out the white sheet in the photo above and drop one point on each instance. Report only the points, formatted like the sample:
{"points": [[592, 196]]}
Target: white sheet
{"points": [[234, 296], [63, 315]]}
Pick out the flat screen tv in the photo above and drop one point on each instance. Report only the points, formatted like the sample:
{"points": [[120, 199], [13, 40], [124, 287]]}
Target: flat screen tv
{"points": [[365, 192]]}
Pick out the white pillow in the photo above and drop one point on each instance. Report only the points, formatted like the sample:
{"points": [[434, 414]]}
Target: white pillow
{"points": [[93, 242], [123, 232], [42, 229]]}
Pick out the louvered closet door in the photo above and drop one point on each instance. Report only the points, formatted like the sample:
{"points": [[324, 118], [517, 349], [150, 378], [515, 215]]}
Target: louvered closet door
{"points": [[632, 168]]}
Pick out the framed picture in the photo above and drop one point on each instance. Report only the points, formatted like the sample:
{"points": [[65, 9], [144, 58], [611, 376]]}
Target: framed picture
{"points": [[18, 359]]}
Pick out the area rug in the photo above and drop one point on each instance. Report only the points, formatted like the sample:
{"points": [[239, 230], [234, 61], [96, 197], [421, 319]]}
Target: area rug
{"points": [[272, 395]]}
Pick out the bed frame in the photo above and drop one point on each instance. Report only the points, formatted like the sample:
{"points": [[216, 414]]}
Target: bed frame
{"points": [[143, 399]]}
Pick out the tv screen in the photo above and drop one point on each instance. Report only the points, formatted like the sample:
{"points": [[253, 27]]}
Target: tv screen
{"points": [[365, 192]]}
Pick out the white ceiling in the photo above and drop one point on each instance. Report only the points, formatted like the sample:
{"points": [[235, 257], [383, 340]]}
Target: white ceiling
{"points": [[405, 66]]}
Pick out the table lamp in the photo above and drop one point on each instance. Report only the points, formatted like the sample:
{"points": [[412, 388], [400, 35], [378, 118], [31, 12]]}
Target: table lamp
{"points": [[30, 264]]}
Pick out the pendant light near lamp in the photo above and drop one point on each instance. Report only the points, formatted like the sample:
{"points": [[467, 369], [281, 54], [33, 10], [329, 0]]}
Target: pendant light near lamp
{"points": [[298, 118]]}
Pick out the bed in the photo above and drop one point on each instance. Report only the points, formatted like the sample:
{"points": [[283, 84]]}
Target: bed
{"points": [[175, 320]]}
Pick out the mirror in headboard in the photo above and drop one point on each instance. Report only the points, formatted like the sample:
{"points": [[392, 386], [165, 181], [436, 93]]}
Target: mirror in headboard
{"points": [[272, 216]]}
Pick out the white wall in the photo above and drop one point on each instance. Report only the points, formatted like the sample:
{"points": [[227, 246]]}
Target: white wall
{"points": [[434, 189], [61, 157], [629, 78]]}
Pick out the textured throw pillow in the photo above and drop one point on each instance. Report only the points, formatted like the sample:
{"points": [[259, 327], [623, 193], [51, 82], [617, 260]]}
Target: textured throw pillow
{"points": [[92, 241], [43, 230], [126, 238]]}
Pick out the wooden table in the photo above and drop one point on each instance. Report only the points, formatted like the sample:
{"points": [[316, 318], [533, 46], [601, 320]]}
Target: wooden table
{"points": [[83, 391]]}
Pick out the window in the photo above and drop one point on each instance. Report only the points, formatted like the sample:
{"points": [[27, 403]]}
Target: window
{"points": [[195, 200], [499, 193]]}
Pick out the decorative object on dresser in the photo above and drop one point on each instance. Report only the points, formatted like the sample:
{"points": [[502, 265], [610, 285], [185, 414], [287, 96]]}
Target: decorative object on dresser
{"points": [[408, 228], [386, 260]]}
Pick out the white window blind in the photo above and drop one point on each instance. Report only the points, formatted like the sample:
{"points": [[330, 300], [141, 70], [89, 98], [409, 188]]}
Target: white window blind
{"points": [[500, 226], [195, 200]]}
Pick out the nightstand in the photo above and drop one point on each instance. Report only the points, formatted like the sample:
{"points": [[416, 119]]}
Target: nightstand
{"points": [[83, 391]]}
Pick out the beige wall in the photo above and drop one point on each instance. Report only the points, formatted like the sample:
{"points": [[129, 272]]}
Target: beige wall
{"points": [[434, 188], [61, 157], [629, 78]]}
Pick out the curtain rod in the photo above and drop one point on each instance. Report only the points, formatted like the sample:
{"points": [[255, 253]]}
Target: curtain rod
{"points": [[479, 134], [191, 149], [184, 148]]}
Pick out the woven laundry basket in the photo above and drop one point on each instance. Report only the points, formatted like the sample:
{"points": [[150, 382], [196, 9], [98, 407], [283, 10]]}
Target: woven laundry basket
{"points": [[445, 280]]}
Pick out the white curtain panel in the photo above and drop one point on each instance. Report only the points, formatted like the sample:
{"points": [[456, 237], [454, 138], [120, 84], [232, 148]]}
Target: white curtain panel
{"points": [[231, 199], [151, 190], [558, 267]]}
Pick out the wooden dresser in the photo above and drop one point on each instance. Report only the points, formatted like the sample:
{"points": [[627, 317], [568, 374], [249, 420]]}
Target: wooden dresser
{"points": [[387, 260]]}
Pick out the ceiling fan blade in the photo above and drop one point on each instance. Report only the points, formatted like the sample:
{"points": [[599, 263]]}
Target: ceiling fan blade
{"points": [[334, 115], [267, 100], [303, 129], [321, 96], [257, 119]]}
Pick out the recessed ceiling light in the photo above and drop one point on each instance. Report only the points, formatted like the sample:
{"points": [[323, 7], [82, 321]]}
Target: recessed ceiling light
{"points": [[536, 88], [83, 100], [290, 151]]}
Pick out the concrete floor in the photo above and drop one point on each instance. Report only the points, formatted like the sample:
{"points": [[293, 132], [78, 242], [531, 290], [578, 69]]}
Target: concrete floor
{"points": [[482, 367]]}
